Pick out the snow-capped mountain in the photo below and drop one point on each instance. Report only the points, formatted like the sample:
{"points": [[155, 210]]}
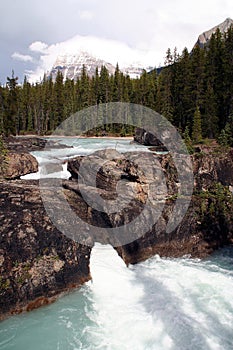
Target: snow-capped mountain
{"points": [[71, 66], [205, 37]]}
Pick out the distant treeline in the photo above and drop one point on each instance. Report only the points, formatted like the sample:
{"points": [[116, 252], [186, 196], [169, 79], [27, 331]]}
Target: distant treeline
{"points": [[194, 91]]}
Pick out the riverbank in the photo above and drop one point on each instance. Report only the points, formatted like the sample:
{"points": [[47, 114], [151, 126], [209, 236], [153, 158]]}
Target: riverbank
{"points": [[78, 136]]}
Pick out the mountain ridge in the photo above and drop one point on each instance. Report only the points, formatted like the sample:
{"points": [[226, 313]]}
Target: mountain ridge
{"points": [[71, 66], [204, 38]]}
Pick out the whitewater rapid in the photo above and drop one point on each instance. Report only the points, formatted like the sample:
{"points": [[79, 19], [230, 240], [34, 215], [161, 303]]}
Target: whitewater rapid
{"points": [[79, 147], [160, 304]]}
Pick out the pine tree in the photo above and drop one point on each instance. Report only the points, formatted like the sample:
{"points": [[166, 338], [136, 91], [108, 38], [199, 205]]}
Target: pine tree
{"points": [[226, 135], [183, 103], [11, 120], [188, 141], [197, 130], [104, 85], [215, 56], [228, 72], [168, 58], [210, 120], [2, 109], [197, 75], [59, 99], [24, 105], [117, 85], [48, 105], [165, 96], [84, 88]]}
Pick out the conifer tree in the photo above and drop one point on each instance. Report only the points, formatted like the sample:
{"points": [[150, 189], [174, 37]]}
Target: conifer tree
{"points": [[168, 58], [11, 122], [197, 130], [58, 99], [104, 85], [210, 120], [226, 135], [188, 141], [228, 72], [24, 105], [2, 109], [117, 85]]}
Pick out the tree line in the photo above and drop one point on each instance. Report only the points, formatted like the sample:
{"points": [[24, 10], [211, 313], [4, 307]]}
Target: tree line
{"points": [[194, 90]]}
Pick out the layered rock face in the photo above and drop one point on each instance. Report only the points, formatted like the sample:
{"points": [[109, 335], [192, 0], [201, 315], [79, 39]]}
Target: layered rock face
{"points": [[213, 167], [207, 225], [36, 260]]}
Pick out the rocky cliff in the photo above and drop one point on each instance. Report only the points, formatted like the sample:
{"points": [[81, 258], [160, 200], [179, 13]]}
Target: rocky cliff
{"points": [[204, 38], [37, 262]]}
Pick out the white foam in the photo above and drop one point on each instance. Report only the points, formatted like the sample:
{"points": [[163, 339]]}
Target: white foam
{"points": [[81, 147], [123, 322], [42, 171], [159, 304]]}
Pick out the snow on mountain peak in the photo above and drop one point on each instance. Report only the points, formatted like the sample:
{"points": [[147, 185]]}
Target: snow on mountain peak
{"points": [[71, 65]]}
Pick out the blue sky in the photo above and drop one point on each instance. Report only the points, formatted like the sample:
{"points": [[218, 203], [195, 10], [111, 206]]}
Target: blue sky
{"points": [[33, 32]]}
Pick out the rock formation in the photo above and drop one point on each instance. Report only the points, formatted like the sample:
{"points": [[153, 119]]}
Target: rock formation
{"points": [[18, 164], [37, 262], [146, 138], [204, 38], [207, 225]]}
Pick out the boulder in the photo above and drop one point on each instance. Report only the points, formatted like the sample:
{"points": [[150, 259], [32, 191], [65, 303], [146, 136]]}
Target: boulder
{"points": [[19, 164]]}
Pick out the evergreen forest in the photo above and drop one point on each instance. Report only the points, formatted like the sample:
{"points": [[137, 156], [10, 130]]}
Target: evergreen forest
{"points": [[194, 91]]}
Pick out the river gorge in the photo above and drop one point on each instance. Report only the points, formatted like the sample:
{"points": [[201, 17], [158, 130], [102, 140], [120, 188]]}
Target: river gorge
{"points": [[164, 301]]}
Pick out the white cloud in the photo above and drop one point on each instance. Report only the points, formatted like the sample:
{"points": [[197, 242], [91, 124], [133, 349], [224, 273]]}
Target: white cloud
{"points": [[35, 76], [18, 56], [38, 46], [86, 15]]}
